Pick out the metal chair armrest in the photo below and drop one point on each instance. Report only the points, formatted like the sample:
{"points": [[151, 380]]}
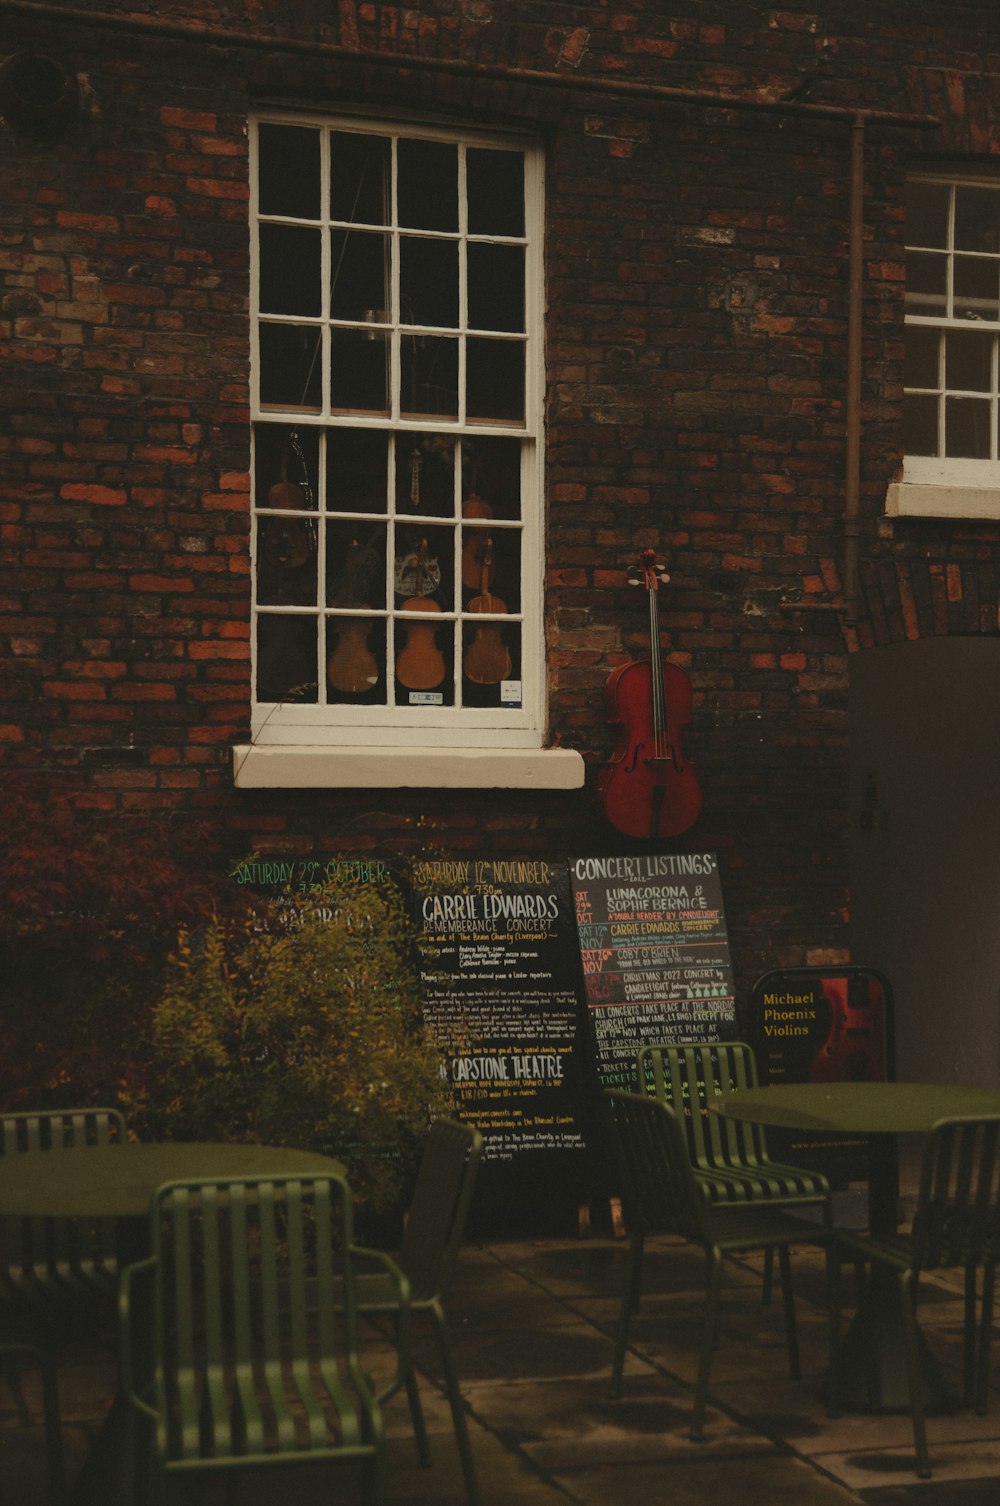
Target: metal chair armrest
{"points": [[125, 1311], [403, 1325]]}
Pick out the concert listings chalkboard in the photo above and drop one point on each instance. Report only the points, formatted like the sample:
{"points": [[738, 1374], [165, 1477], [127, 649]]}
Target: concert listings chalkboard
{"points": [[499, 972], [652, 935]]}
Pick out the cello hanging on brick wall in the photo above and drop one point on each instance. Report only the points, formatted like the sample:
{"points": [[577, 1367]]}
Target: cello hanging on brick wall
{"points": [[648, 788]]}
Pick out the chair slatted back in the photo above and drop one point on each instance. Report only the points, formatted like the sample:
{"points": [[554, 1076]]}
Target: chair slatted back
{"points": [[439, 1208], [40, 1252], [689, 1078], [655, 1166], [251, 1362], [957, 1220]]}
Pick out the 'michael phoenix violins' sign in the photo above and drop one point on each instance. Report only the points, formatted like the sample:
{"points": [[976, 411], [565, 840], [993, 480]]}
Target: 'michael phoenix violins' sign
{"points": [[649, 789]]}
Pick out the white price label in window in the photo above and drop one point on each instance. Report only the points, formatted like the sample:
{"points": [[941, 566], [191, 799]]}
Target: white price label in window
{"points": [[510, 692], [426, 698]]}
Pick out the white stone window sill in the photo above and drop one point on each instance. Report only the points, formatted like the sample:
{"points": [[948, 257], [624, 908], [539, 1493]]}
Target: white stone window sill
{"points": [[910, 499], [319, 768]]}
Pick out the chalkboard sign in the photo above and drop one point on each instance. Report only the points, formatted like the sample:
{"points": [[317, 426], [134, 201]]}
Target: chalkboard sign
{"points": [[500, 974], [655, 951]]}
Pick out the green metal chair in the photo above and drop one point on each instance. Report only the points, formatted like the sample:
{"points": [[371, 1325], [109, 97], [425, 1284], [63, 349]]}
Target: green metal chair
{"points": [[663, 1195], [59, 1258], [244, 1353], [956, 1224], [730, 1159], [432, 1240]]}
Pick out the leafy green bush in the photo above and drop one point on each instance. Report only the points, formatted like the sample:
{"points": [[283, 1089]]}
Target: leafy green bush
{"points": [[299, 1025]]}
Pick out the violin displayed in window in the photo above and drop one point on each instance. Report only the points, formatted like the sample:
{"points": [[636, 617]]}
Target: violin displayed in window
{"points": [[351, 666], [487, 657], [648, 788], [420, 664]]}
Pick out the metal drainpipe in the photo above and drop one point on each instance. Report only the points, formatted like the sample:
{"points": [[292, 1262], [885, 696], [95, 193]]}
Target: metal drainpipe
{"points": [[852, 480]]}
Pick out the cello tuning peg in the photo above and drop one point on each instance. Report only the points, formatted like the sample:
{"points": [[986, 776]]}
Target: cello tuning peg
{"points": [[634, 575]]}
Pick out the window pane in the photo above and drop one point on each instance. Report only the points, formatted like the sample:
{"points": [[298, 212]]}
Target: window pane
{"points": [[968, 361], [926, 283], [491, 659], [490, 565], [425, 568], [355, 661], [927, 214], [286, 465], [495, 192], [429, 378], [290, 374], [967, 428], [921, 368], [358, 371], [427, 190], [288, 178], [290, 270], [359, 275], [975, 283], [286, 562], [920, 425], [355, 565], [977, 219], [359, 178], [428, 281], [491, 472], [495, 380], [496, 287], [357, 470], [425, 474], [286, 659]]}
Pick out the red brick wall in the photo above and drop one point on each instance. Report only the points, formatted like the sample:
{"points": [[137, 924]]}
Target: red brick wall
{"points": [[696, 263]]}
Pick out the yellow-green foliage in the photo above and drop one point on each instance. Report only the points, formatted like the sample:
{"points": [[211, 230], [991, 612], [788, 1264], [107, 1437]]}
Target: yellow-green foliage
{"points": [[299, 1026]]}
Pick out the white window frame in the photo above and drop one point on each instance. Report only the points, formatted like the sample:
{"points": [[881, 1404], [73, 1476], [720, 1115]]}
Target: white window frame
{"points": [[940, 485], [331, 744]]}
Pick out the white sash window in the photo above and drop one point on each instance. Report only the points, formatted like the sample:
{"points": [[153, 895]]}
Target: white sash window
{"points": [[952, 368], [397, 396]]}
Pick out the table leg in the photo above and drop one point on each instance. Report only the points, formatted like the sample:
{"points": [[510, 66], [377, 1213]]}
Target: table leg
{"points": [[869, 1369]]}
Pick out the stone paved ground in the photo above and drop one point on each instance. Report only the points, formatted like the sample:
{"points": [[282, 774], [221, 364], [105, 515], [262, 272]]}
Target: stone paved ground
{"points": [[532, 1321]]}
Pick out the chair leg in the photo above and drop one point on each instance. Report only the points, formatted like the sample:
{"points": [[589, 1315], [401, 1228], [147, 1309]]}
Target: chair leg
{"points": [[14, 1382], [788, 1301], [457, 1405], [768, 1282], [907, 1305], [713, 1287], [417, 1419], [53, 1431], [833, 1303], [630, 1302], [373, 1479], [985, 1335], [50, 1413], [969, 1338]]}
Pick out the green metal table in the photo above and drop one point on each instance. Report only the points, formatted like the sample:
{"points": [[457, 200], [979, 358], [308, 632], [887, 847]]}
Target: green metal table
{"points": [[869, 1364], [118, 1181]]}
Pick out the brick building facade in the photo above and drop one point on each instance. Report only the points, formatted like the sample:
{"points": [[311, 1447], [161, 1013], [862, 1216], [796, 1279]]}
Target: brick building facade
{"points": [[713, 173]]}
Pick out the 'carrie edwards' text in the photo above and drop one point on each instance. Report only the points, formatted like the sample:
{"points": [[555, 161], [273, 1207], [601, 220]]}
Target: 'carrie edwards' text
{"points": [[441, 912]]}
